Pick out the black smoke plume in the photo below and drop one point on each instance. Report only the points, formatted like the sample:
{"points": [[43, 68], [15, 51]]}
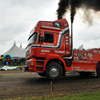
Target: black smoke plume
{"points": [[74, 5]]}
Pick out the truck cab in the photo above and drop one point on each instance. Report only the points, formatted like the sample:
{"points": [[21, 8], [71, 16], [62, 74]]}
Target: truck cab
{"points": [[48, 42]]}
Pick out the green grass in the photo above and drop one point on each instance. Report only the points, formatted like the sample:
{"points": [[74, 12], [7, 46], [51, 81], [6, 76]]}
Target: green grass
{"points": [[82, 96], [16, 66]]}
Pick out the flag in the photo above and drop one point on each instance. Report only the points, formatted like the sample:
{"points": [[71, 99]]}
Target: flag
{"points": [[81, 47]]}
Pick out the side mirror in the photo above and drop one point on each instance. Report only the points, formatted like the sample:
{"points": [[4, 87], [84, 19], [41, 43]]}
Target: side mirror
{"points": [[41, 36]]}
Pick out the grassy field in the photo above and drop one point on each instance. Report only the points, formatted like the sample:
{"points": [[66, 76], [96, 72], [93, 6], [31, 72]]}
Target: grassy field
{"points": [[83, 96], [16, 66]]}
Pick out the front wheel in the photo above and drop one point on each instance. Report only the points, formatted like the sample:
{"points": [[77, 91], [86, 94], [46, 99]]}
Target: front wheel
{"points": [[53, 70]]}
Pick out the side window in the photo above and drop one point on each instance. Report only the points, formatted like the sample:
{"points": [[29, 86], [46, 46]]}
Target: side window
{"points": [[39, 39], [48, 37]]}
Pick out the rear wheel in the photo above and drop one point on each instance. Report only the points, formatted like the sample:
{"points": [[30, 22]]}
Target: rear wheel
{"points": [[98, 70], [53, 70]]}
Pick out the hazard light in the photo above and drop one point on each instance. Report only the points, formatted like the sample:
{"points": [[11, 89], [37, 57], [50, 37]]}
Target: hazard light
{"points": [[31, 63]]}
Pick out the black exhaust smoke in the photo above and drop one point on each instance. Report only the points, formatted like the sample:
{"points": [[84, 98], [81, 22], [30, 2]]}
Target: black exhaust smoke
{"points": [[74, 5], [62, 8]]}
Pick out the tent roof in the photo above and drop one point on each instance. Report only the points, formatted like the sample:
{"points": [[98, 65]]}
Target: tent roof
{"points": [[1, 57], [15, 51]]}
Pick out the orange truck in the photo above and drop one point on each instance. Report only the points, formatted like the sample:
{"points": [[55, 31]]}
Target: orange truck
{"points": [[50, 52]]}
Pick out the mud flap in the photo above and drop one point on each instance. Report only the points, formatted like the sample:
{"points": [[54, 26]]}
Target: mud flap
{"points": [[68, 62]]}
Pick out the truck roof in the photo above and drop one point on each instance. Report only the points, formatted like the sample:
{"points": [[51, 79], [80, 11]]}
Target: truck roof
{"points": [[56, 25]]}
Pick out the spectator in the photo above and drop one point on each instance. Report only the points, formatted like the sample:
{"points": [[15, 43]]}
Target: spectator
{"points": [[8, 60], [5, 62], [19, 62]]}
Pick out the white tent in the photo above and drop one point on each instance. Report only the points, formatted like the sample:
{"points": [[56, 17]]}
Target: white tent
{"points": [[15, 51]]}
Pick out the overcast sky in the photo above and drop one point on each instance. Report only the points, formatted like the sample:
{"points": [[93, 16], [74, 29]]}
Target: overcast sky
{"points": [[18, 17]]}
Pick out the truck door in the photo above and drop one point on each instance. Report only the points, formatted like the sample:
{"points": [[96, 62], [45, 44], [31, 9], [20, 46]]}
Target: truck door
{"points": [[46, 41]]}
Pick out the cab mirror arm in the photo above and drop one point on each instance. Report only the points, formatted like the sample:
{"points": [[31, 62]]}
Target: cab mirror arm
{"points": [[41, 36]]}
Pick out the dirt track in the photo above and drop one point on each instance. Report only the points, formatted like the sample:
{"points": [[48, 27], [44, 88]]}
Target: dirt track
{"points": [[14, 84]]}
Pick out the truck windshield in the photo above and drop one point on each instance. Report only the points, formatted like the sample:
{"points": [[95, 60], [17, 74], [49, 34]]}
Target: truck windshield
{"points": [[32, 38]]}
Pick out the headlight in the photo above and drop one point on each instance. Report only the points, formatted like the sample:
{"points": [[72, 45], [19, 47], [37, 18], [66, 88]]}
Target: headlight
{"points": [[31, 63], [26, 63]]}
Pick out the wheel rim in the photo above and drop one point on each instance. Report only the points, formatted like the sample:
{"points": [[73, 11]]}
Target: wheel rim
{"points": [[54, 71]]}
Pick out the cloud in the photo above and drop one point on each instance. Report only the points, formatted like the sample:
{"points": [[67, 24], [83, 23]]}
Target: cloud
{"points": [[86, 34], [18, 17]]}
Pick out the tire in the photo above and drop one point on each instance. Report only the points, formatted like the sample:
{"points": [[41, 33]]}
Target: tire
{"points": [[98, 70], [53, 71], [42, 74]]}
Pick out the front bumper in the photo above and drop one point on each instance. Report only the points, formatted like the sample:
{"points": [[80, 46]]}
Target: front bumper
{"points": [[25, 69]]}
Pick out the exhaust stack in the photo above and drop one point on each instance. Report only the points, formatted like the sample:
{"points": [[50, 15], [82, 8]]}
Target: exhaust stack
{"points": [[72, 39], [71, 47]]}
